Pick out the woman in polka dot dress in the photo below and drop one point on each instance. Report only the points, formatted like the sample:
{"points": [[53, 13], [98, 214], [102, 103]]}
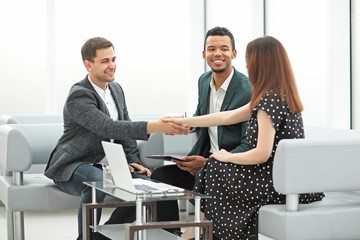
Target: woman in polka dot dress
{"points": [[241, 183]]}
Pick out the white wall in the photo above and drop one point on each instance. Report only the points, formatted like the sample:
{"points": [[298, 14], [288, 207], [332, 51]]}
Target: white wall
{"points": [[154, 42], [23, 83], [159, 45], [243, 18], [355, 16], [316, 36]]}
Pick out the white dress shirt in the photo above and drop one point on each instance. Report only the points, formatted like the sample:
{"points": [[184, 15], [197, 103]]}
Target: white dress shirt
{"points": [[215, 102], [108, 100]]}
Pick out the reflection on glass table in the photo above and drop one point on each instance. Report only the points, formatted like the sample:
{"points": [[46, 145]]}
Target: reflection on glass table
{"points": [[145, 203]]}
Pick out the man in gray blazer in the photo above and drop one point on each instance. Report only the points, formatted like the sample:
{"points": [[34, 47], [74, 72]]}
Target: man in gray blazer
{"points": [[95, 111]]}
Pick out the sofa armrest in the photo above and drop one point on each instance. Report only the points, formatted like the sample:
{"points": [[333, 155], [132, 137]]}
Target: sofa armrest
{"points": [[15, 151], [7, 119], [317, 165], [25, 145]]}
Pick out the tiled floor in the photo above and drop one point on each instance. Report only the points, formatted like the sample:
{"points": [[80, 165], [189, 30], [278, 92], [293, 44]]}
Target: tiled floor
{"points": [[55, 225]]}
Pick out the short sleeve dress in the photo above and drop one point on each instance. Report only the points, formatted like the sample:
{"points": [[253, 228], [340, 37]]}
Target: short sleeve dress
{"points": [[238, 191]]}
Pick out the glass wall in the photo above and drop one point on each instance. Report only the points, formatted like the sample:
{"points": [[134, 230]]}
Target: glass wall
{"points": [[316, 35], [154, 43], [159, 47], [23, 57], [243, 18], [355, 26]]}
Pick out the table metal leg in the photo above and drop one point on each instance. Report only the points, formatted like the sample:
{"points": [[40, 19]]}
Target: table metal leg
{"points": [[93, 200], [197, 217], [85, 222], [139, 218], [144, 218], [132, 228]]}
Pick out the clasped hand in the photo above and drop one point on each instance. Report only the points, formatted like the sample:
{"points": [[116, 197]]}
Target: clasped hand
{"points": [[167, 127], [173, 127], [222, 155], [179, 120]]}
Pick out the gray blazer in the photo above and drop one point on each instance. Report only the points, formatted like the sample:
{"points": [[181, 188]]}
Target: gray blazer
{"points": [[87, 122]]}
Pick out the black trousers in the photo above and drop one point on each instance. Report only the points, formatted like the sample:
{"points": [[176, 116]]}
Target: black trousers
{"points": [[171, 174]]}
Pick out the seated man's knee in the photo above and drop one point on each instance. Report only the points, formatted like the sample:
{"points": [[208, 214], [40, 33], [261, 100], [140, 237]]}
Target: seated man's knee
{"points": [[159, 174]]}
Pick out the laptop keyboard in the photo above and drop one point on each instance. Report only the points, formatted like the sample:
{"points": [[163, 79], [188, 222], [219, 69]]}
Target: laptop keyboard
{"points": [[143, 187]]}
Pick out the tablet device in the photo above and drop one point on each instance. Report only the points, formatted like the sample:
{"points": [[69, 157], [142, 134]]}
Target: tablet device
{"points": [[165, 157]]}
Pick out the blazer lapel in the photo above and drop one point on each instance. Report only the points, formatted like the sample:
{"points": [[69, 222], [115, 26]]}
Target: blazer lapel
{"points": [[87, 84], [205, 96], [230, 93], [118, 102]]}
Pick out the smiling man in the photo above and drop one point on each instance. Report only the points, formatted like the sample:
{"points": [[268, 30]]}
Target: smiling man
{"points": [[223, 88], [96, 111]]}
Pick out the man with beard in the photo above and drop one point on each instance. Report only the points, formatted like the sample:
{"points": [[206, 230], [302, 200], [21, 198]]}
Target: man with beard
{"points": [[223, 88]]}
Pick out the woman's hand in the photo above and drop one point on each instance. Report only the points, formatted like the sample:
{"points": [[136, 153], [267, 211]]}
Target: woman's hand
{"points": [[139, 169], [222, 155], [167, 127], [180, 120]]}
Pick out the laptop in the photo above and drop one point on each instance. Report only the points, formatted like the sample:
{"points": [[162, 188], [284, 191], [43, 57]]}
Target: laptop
{"points": [[122, 177]]}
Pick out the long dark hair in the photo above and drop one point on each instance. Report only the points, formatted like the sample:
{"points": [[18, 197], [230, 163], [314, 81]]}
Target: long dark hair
{"points": [[270, 71]]}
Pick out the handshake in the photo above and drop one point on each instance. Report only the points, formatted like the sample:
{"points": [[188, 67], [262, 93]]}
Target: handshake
{"points": [[169, 126]]}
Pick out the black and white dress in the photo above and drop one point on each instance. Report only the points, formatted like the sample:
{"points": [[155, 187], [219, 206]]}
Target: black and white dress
{"points": [[238, 191]]}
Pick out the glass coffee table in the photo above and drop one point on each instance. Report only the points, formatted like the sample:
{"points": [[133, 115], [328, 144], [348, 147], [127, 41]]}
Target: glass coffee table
{"points": [[146, 225]]}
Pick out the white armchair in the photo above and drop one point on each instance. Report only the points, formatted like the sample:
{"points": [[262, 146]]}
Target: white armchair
{"points": [[24, 152], [327, 161]]}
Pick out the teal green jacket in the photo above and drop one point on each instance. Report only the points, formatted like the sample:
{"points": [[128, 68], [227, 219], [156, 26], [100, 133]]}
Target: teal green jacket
{"points": [[232, 137]]}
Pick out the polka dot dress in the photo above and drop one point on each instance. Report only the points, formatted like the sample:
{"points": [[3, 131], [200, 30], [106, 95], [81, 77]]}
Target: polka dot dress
{"points": [[238, 191]]}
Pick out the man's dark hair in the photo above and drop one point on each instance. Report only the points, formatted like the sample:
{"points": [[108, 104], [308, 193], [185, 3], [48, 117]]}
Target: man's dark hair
{"points": [[220, 31], [88, 50]]}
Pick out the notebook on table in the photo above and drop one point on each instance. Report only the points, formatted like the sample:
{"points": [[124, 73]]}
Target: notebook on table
{"points": [[122, 177]]}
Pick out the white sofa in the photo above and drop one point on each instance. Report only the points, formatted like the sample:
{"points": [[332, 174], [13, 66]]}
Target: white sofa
{"points": [[30, 119], [158, 144], [328, 161], [24, 153]]}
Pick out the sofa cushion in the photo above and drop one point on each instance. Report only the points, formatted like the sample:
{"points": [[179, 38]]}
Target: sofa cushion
{"points": [[335, 217], [38, 190]]}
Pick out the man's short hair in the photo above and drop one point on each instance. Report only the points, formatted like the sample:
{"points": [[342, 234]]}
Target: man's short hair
{"points": [[220, 31], [88, 50]]}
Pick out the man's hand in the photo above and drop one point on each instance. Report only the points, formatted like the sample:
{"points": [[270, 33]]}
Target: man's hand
{"points": [[192, 164], [167, 128], [139, 169], [180, 120]]}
